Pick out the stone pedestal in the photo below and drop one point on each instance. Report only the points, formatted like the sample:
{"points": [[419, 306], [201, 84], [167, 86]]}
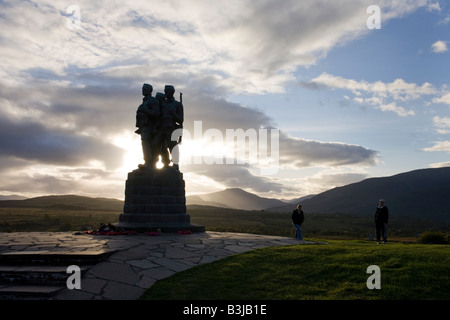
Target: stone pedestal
{"points": [[155, 199]]}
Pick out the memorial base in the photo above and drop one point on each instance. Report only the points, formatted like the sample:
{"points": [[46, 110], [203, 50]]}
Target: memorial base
{"points": [[155, 200]]}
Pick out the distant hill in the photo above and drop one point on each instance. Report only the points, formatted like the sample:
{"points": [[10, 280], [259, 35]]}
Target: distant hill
{"points": [[66, 202], [290, 204], [421, 193], [197, 200], [12, 197], [234, 198]]}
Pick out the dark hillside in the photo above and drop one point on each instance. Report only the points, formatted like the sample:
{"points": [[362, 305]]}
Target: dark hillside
{"points": [[66, 202], [421, 193]]}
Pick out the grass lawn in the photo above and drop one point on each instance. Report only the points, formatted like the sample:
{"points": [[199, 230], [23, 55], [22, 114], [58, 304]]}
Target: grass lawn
{"points": [[319, 272], [43, 219], [316, 272]]}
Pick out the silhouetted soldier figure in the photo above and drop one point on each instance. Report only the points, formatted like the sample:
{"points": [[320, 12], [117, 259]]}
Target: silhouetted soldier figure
{"points": [[172, 117], [147, 120]]}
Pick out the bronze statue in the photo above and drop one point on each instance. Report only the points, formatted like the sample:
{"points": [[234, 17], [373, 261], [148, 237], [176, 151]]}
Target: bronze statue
{"points": [[147, 120], [172, 117], [157, 118]]}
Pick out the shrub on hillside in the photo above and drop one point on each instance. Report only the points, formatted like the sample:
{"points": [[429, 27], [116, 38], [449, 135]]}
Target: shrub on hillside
{"points": [[432, 237], [447, 238]]}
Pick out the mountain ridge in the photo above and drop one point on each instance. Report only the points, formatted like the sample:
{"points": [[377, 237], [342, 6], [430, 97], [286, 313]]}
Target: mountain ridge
{"points": [[418, 193], [235, 198], [66, 202], [422, 193]]}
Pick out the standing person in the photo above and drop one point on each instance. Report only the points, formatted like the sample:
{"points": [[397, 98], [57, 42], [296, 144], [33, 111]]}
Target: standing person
{"points": [[297, 219], [381, 221]]}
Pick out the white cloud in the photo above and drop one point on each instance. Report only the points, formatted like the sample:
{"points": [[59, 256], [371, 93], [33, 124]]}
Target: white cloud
{"points": [[439, 146], [300, 153], [378, 93], [322, 179], [402, 112], [399, 89], [434, 7], [445, 98], [440, 165], [79, 128], [439, 47], [445, 20], [442, 124], [68, 93], [246, 46]]}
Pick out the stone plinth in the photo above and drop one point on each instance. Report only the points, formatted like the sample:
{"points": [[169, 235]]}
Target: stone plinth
{"points": [[155, 199]]}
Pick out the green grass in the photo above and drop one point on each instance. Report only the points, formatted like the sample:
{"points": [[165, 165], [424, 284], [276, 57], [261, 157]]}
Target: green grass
{"points": [[40, 219], [343, 226], [67, 214], [319, 272], [334, 271]]}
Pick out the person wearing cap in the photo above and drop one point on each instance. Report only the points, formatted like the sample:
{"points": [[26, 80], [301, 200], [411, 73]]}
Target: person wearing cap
{"points": [[381, 221], [297, 219]]}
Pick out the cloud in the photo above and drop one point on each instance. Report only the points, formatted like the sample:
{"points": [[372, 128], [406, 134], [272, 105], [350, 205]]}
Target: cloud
{"points": [[440, 164], [439, 47], [399, 89], [222, 115], [294, 153], [41, 179], [445, 98], [378, 93], [439, 146], [63, 125], [330, 178], [446, 20], [235, 175], [33, 142], [402, 112], [442, 124], [434, 7], [299, 153], [66, 95], [238, 46], [76, 126], [244, 46]]}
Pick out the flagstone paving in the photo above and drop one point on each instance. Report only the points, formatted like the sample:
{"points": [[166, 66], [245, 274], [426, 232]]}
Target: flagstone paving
{"points": [[138, 260]]}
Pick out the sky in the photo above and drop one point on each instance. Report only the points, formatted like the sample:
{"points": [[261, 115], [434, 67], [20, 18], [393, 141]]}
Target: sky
{"points": [[281, 98]]}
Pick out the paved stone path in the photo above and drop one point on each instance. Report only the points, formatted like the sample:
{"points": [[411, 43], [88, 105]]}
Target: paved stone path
{"points": [[140, 260]]}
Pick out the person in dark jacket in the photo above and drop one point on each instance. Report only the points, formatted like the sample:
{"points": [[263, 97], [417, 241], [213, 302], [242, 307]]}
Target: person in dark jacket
{"points": [[297, 219], [381, 221]]}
